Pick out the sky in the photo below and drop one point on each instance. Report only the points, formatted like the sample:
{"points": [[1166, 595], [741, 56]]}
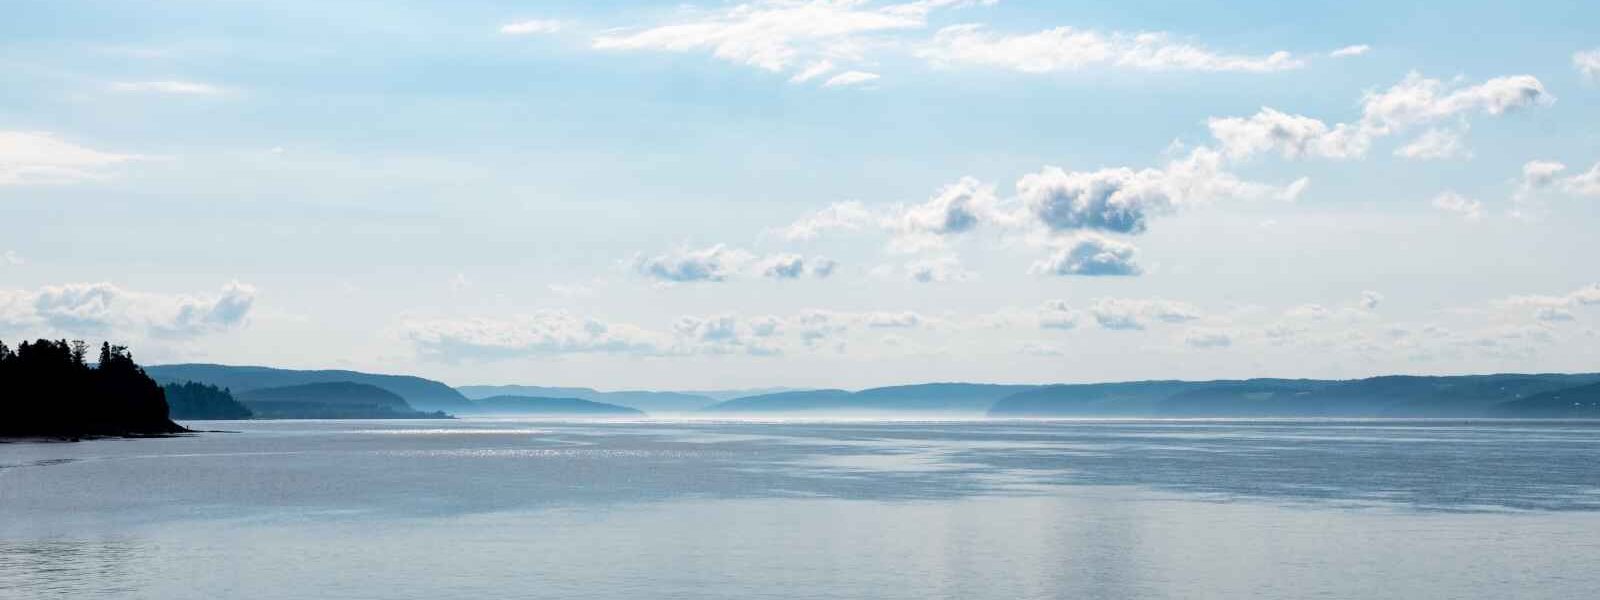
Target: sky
{"points": [[831, 193]]}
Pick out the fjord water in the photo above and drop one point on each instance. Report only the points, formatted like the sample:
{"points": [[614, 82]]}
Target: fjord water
{"points": [[694, 509]]}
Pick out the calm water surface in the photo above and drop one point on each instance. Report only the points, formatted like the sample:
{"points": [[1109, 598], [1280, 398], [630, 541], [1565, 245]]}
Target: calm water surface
{"points": [[741, 510]]}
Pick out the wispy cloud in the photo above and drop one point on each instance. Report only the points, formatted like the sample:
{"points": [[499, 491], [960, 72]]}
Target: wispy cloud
{"points": [[174, 87], [1348, 51], [532, 26], [42, 158], [1070, 49]]}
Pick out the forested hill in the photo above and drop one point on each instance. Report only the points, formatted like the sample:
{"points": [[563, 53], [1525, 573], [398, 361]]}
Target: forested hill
{"points": [[421, 394], [330, 400], [48, 389], [1466, 396]]}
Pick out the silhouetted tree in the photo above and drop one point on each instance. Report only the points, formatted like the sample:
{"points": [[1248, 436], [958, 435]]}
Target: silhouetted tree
{"points": [[48, 389]]}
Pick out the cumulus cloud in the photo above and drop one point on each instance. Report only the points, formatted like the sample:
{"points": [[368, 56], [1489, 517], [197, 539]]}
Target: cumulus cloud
{"points": [[532, 26], [955, 209], [536, 334], [1294, 136], [685, 265], [1453, 202], [180, 88], [1071, 49], [1587, 62], [1415, 100], [107, 309], [1134, 314], [794, 266], [1122, 200], [42, 158], [1091, 256], [784, 266], [1347, 51]]}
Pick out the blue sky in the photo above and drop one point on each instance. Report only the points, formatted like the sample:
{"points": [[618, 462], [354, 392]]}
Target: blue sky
{"points": [[841, 193]]}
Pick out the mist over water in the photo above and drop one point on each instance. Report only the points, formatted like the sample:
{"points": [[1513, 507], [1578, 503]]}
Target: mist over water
{"points": [[831, 508]]}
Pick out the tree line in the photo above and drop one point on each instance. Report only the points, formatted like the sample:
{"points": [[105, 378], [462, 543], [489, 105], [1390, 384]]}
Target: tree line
{"points": [[49, 389]]}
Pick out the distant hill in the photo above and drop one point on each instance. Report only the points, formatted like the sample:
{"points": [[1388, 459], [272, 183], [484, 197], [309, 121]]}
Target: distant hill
{"points": [[421, 394], [724, 395], [1388, 396], [653, 402], [809, 400], [532, 405], [1582, 402], [927, 398], [330, 400]]}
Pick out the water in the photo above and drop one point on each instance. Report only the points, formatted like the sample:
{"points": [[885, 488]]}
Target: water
{"points": [[913, 510]]}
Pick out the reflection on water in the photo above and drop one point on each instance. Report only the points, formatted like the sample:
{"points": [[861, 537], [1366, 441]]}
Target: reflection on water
{"points": [[1004, 509]]}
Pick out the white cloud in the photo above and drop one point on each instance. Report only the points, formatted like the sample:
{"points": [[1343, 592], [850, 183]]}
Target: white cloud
{"points": [[822, 267], [42, 158], [1121, 200], [724, 334], [1586, 183], [1356, 50], [1370, 300], [12, 258], [1070, 49], [1133, 314], [849, 78], [107, 309], [536, 334], [1587, 63], [937, 270], [1057, 314], [1436, 144], [1208, 338], [1415, 100], [1294, 136], [684, 265], [957, 208], [775, 35], [1584, 296], [1091, 256], [1468, 208], [532, 26], [895, 320], [837, 216], [180, 88], [794, 266], [813, 71]]}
